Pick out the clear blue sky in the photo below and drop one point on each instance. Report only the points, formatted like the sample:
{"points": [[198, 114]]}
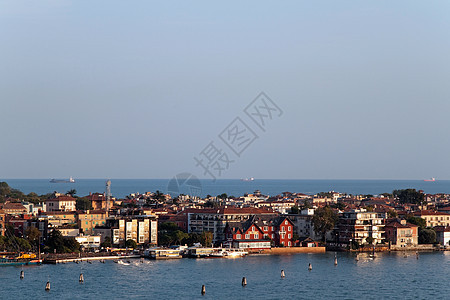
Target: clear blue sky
{"points": [[119, 89]]}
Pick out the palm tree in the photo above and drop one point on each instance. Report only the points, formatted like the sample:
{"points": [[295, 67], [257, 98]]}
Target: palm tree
{"points": [[71, 192]]}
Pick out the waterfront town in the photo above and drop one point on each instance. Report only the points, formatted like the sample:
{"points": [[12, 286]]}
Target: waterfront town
{"points": [[62, 223]]}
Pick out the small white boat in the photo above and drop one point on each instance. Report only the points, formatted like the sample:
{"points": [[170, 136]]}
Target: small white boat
{"points": [[120, 262], [228, 253]]}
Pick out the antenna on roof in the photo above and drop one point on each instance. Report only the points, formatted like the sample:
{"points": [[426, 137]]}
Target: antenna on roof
{"points": [[108, 195]]}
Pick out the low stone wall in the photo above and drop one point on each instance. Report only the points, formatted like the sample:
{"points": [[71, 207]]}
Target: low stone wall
{"points": [[292, 250], [424, 247]]}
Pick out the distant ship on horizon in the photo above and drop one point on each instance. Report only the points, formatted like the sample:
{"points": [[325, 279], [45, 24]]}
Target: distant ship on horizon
{"points": [[70, 180], [431, 179], [248, 179]]}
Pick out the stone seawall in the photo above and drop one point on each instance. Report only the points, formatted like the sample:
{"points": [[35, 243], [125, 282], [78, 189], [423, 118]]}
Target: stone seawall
{"points": [[424, 247], [293, 250]]}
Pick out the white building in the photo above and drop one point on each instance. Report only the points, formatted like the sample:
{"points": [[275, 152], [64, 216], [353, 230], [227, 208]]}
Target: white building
{"points": [[60, 203], [443, 235], [89, 241]]}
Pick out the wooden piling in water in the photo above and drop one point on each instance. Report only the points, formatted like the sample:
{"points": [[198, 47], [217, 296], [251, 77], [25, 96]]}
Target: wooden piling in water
{"points": [[47, 286], [203, 289], [244, 281], [22, 275], [282, 274]]}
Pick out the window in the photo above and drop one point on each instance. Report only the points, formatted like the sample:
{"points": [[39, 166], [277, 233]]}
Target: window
{"points": [[247, 236], [289, 244], [282, 228], [256, 236], [286, 222], [238, 236], [289, 228], [282, 235], [267, 228]]}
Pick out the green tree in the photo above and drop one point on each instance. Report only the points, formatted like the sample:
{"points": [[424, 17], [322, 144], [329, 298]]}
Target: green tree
{"points": [[83, 204], [392, 213], [178, 236], [324, 220], [33, 234], [158, 196], [71, 192], [295, 210], [409, 196], [427, 236], [130, 244], [306, 204], [192, 239], [55, 241], [422, 223], [222, 196], [211, 203], [106, 243], [71, 245], [206, 238]]}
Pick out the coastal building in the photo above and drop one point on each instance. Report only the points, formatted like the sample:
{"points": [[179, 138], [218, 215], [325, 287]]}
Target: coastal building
{"points": [[60, 203], [401, 234], [33, 208], [246, 235], [281, 206], [89, 219], [69, 231], [57, 219], [258, 230], [443, 235], [215, 219], [434, 218], [2, 222], [303, 225], [98, 201], [143, 229], [88, 241], [360, 226], [13, 208]]}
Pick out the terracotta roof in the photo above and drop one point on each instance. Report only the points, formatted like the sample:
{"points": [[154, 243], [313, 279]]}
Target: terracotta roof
{"points": [[12, 205], [429, 213], [62, 198]]}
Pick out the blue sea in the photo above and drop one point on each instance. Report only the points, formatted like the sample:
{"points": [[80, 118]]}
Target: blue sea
{"points": [[235, 187], [388, 276]]}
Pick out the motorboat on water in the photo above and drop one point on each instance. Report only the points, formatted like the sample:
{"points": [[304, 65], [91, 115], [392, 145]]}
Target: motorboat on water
{"points": [[228, 253]]}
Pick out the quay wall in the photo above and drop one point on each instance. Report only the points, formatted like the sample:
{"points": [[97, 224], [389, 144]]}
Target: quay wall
{"points": [[292, 250], [424, 247]]}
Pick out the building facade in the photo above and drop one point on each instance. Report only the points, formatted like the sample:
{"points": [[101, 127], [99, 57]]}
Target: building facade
{"points": [[60, 203], [401, 234], [360, 226], [143, 229]]}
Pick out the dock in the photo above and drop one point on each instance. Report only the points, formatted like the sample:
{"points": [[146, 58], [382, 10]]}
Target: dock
{"points": [[55, 261]]}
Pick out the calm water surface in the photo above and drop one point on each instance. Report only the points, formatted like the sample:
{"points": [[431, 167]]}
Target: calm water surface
{"points": [[122, 187], [389, 276]]}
